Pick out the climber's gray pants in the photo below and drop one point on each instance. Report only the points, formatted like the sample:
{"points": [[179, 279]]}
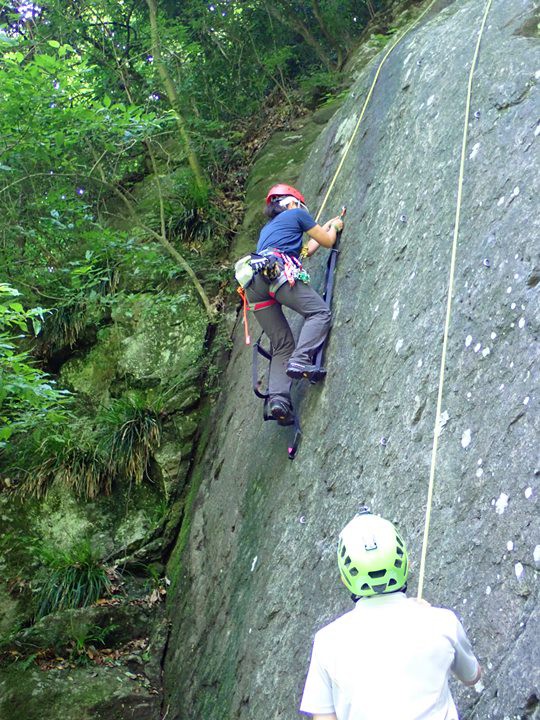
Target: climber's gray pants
{"points": [[304, 300]]}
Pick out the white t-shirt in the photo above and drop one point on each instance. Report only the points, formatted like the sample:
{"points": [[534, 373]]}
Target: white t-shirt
{"points": [[388, 659]]}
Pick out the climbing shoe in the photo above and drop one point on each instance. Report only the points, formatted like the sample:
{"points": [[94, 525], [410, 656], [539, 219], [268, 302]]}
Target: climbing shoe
{"points": [[282, 411], [297, 370]]}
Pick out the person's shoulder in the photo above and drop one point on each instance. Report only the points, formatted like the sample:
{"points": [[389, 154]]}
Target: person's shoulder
{"points": [[302, 213], [302, 217], [340, 624], [436, 615]]}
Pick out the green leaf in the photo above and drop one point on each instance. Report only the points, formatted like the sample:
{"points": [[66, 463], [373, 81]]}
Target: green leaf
{"points": [[54, 43]]}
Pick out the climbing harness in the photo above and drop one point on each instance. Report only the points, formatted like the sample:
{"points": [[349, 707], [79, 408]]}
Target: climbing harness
{"points": [[277, 267], [436, 430]]}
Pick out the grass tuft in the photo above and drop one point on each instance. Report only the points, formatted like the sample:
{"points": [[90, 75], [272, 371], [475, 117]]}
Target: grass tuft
{"points": [[67, 579], [137, 435]]}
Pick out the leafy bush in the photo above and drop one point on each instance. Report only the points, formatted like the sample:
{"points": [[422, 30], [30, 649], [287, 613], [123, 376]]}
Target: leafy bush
{"points": [[320, 87], [71, 578], [28, 397]]}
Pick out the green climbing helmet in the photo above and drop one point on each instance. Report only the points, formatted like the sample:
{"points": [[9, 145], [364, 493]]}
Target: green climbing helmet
{"points": [[372, 557]]}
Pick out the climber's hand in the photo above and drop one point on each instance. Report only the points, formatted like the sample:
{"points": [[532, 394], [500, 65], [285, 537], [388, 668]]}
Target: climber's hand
{"points": [[337, 224]]}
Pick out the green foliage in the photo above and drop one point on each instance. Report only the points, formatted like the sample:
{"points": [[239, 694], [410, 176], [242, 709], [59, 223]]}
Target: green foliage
{"points": [[88, 284], [134, 433], [28, 397], [85, 637], [87, 456], [320, 87], [71, 578]]}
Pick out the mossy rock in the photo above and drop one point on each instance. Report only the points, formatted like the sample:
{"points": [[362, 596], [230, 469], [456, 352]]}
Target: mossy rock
{"points": [[155, 341], [96, 692]]}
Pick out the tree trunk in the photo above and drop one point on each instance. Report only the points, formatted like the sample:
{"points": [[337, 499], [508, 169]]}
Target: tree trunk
{"points": [[334, 42], [302, 29], [170, 89]]}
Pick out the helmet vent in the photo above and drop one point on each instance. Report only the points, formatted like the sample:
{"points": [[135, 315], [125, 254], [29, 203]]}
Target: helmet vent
{"points": [[398, 563], [399, 551], [347, 561], [353, 571], [392, 582], [377, 573], [379, 588], [343, 551], [365, 586]]}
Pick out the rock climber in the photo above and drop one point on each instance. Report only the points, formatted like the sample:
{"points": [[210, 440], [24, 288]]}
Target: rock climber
{"points": [[391, 656], [280, 280]]}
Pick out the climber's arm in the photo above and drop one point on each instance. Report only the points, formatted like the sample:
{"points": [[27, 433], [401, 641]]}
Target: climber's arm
{"points": [[324, 235]]}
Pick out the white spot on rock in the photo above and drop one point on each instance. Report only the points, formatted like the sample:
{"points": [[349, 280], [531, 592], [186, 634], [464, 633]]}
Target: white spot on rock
{"points": [[399, 345], [509, 289], [501, 201], [501, 504], [430, 100], [493, 335], [396, 310], [488, 590], [485, 352], [537, 130], [513, 306], [509, 546], [445, 417], [528, 492], [419, 363], [480, 461], [521, 323], [515, 191], [519, 570], [536, 556], [479, 473], [466, 438], [477, 347], [468, 340], [474, 153], [254, 563], [526, 400]]}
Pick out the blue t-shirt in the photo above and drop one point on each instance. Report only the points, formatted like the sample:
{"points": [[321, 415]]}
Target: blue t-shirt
{"points": [[285, 231]]}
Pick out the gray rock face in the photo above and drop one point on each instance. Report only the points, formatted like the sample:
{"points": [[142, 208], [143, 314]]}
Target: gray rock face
{"points": [[259, 576]]}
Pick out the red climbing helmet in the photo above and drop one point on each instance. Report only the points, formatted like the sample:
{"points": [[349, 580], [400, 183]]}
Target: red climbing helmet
{"points": [[280, 190]]}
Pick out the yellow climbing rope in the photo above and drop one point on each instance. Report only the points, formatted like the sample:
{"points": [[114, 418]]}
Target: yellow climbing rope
{"points": [[437, 428], [366, 101]]}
